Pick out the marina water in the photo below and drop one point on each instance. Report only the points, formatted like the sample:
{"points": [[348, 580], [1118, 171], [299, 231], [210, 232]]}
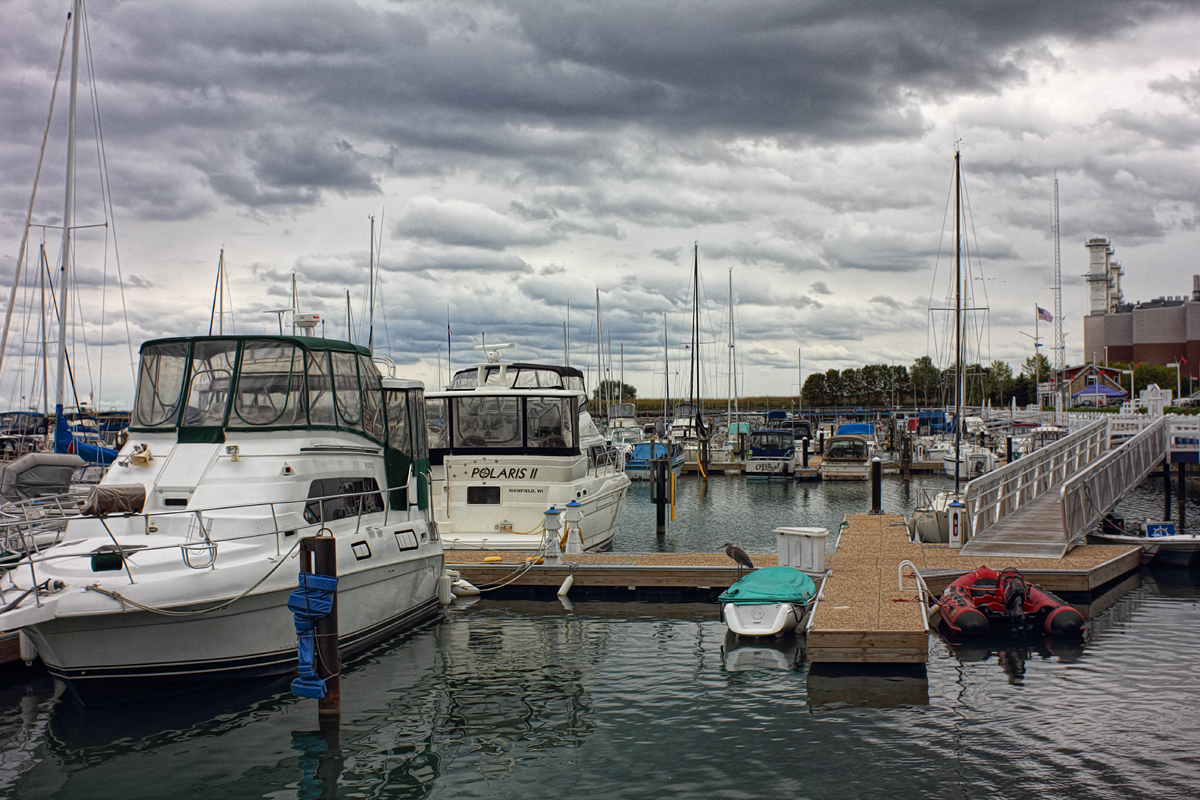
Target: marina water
{"points": [[528, 699]]}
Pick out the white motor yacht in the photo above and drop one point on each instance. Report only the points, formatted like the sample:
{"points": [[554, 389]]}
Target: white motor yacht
{"points": [[508, 441], [178, 575], [847, 457]]}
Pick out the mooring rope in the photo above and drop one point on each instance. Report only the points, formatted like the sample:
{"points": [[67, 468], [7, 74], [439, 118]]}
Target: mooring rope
{"points": [[166, 613]]}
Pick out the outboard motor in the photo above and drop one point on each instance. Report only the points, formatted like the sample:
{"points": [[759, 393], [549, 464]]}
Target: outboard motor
{"points": [[1015, 592]]}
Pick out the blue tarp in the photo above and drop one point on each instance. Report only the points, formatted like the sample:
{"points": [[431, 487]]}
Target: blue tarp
{"points": [[65, 442], [861, 428]]}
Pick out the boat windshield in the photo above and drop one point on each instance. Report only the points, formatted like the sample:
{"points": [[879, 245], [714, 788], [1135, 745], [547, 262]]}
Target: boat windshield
{"points": [[496, 422], [254, 383], [619, 410], [771, 440], [846, 448], [626, 435]]}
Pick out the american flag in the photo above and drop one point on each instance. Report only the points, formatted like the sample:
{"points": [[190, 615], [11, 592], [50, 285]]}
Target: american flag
{"points": [[1045, 315]]}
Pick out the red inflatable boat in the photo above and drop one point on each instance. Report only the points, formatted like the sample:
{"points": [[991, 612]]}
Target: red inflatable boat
{"points": [[983, 598]]}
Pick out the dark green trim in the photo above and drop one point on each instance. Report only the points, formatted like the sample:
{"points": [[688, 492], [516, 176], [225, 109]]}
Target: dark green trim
{"points": [[306, 342], [206, 434]]}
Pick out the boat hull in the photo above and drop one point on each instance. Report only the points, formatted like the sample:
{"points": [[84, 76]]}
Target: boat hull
{"points": [[767, 468], [120, 656], [1180, 550], [985, 599], [762, 619]]}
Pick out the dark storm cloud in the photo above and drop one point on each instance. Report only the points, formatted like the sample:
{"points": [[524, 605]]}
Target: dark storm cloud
{"points": [[293, 101], [820, 287]]}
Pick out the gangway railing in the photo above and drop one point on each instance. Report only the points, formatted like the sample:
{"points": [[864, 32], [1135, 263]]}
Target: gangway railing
{"points": [[1088, 496], [992, 497]]}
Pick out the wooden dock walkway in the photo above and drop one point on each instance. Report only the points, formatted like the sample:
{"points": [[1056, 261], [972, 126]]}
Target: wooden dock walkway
{"points": [[863, 617]]}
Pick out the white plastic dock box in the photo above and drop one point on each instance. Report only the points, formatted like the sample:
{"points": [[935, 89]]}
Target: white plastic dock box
{"points": [[802, 548]]}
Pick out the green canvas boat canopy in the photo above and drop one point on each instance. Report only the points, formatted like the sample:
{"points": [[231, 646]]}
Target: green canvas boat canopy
{"points": [[771, 585]]}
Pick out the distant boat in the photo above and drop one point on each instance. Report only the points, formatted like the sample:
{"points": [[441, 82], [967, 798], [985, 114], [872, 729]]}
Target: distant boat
{"points": [[847, 457], [771, 454], [638, 465]]}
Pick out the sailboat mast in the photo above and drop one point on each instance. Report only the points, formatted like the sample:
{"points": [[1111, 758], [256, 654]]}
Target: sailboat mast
{"points": [[666, 370], [692, 388], [957, 318], [729, 381], [68, 206], [371, 292]]}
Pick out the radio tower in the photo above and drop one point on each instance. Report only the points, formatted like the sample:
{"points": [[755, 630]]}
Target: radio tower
{"points": [[1058, 334]]}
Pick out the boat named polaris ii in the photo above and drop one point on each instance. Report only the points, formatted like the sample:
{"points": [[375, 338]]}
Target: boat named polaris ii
{"points": [[771, 601], [178, 574], [507, 441], [984, 599], [771, 454], [847, 457]]}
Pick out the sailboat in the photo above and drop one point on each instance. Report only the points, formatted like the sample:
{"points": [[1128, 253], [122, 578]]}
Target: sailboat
{"points": [[689, 425], [930, 521], [178, 574]]}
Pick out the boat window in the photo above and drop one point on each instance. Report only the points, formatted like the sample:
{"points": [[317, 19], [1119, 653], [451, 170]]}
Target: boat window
{"points": [[436, 423], [416, 401], [549, 422], [397, 416], [320, 390], [213, 363], [160, 384], [270, 385], [332, 499], [491, 376], [345, 384], [537, 379], [372, 394], [486, 422], [575, 383]]}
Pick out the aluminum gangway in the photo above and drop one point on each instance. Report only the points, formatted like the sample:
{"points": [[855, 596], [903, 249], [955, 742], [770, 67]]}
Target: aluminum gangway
{"points": [[1044, 504]]}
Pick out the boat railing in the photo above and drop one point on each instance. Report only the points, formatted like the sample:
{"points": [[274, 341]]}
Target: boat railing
{"points": [[606, 459], [1001, 492], [200, 540], [1087, 496]]}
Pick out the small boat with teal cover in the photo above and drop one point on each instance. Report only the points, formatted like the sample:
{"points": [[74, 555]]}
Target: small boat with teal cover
{"points": [[770, 601]]}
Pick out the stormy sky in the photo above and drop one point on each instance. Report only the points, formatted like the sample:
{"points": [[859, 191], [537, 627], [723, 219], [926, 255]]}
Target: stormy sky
{"points": [[518, 156]]}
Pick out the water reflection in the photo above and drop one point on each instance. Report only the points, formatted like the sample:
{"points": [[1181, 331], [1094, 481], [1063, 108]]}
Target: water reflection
{"points": [[525, 699], [742, 654], [1012, 649], [833, 686]]}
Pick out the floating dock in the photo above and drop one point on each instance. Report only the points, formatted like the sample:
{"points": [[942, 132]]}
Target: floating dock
{"points": [[861, 616], [864, 617]]}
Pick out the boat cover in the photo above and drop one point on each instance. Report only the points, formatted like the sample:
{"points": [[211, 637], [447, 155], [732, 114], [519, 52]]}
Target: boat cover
{"points": [[38, 474], [771, 585]]}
